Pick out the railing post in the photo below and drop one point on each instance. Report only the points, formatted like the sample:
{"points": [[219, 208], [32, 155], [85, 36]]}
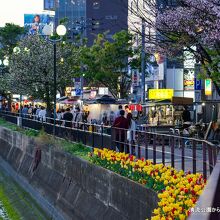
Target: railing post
{"points": [[113, 138], [172, 151], [183, 154], [204, 160], [163, 150], [139, 149], [93, 136], [194, 155], [84, 129], [146, 145], [102, 136], [154, 148], [210, 159]]}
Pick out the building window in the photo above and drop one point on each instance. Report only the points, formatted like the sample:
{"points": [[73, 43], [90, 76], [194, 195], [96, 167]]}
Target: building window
{"points": [[96, 5]]}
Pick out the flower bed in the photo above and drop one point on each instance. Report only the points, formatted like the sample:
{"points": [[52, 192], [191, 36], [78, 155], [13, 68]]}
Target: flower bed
{"points": [[177, 191]]}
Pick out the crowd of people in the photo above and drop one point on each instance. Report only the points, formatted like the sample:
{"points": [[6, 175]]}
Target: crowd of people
{"points": [[122, 120], [67, 117]]}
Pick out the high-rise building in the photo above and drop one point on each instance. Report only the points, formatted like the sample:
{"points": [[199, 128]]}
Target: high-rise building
{"points": [[90, 17]]}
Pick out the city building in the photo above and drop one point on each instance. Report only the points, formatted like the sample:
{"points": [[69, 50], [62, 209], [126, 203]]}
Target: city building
{"points": [[89, 18]]}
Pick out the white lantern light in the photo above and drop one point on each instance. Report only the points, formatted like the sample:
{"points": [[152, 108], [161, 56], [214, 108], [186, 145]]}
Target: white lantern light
{"points": [[6, 62], [61, 30]]}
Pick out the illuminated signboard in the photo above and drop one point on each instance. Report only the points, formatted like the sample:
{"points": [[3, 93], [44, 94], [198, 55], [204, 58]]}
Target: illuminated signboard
{"points": [[161, 93], [208, 87]]}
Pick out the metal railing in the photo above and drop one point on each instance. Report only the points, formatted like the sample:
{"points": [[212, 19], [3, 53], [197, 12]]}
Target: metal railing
{"points": [[178, 151]]}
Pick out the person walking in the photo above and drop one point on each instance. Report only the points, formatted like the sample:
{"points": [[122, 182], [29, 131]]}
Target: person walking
{"points": [[120, 125], [131, 133]]}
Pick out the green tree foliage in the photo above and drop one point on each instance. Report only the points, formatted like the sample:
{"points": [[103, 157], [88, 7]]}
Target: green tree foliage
{"points": [[31, 68], [106, 62], [9, 36]]}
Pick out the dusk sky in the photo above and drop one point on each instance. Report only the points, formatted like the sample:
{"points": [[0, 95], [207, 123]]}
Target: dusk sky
{"points": [[12, 11]]}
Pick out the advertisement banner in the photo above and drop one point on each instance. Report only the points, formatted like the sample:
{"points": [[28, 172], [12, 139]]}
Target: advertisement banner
{"points": [[188, 78], [34, 23]]}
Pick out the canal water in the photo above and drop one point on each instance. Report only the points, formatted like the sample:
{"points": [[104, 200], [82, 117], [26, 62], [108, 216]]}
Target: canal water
{"points": [[15, 203], [3, 213]]}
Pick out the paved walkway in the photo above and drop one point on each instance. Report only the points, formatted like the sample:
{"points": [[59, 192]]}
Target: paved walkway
{"points": [[178, 157]]}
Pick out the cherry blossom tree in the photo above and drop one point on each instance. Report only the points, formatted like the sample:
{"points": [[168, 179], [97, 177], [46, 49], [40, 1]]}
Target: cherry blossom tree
{"points": [[31, 67], [179, 25]]}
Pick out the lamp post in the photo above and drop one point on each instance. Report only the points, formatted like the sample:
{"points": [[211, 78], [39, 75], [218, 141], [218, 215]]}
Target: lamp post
{"points": [[61, 31], [17, 50]]}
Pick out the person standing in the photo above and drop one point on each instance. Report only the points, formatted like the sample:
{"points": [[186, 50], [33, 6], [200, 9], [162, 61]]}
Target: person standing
{"points": [[37, 112], [68, 117], [131, 132], [120, 125], [186, 115], [42, 114], [25, 111], [118, 112], [127, 110], [111, 118], [77, 120]]}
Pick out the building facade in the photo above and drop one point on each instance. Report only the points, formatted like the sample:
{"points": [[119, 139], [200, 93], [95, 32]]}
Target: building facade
{"points": [[90, 17]]}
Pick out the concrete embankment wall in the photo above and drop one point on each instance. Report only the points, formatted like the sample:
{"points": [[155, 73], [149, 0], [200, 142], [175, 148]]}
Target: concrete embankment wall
{"points": [[68, 187]]}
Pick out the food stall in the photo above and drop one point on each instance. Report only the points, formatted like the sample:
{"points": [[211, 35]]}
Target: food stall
{"points": [[163, 110]]}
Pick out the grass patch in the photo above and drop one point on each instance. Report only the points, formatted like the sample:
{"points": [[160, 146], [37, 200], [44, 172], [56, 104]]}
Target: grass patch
{"points": [[77, 149], [28, 132], [9, 125]]}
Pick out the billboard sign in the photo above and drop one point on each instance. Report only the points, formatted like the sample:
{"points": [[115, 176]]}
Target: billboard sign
{"points": [[34, 23], [160, 93]]}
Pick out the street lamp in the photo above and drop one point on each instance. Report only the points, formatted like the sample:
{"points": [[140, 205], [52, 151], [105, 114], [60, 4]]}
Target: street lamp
{"points": [[61, 31], [16, 51]]}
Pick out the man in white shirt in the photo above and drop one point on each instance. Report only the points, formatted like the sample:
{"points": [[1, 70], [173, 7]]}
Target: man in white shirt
{"points": [[42, 114]]}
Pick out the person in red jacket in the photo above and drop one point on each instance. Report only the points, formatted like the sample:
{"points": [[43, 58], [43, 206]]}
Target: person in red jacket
{"points": [[121, 125]]}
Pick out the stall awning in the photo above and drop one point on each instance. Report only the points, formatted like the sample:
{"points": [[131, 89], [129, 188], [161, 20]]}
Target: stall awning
{"points": [[106, 99], [68, 100]]}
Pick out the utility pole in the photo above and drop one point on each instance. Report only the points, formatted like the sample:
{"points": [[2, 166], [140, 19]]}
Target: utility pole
{"points": [[143, 65]]}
